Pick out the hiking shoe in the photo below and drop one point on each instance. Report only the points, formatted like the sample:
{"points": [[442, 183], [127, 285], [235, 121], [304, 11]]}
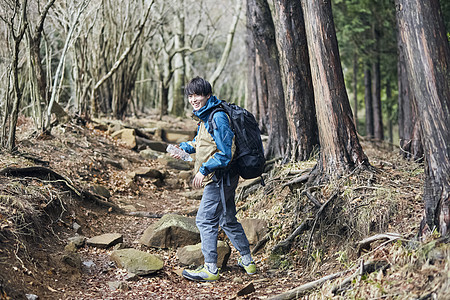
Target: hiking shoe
{"points": [[250, 268], [200, 274]]}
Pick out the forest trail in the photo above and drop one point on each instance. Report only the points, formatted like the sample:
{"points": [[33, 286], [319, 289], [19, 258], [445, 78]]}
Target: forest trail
{"points": [[31, 256]]}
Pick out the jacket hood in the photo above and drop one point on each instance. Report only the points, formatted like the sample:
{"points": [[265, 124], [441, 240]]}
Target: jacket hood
{"points": [[204, 111]]}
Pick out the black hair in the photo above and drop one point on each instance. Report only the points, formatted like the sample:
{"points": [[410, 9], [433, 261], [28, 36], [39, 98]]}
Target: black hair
{"points": [[198, 86]]}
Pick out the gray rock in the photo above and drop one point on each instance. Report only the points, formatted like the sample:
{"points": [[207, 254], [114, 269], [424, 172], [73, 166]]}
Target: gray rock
{"points": [[78, 240], [192, 254], [105, 240], [195, 194], [176, 164], [100, 190], [137, 262], [171, 231], [76, 227], [255, 229], [150, 154], [118, 285], [32, 296]]}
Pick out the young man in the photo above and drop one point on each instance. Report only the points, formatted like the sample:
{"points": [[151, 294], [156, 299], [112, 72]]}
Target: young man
{"points": [[213, 155]]}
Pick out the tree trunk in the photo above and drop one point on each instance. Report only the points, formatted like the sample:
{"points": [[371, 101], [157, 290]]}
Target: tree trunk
{"points": [[355, 90], [260, 20], [340, 150], [368, 102], [376, 89], [297, 83], [427, 57], [179, 72], [408, 125]]}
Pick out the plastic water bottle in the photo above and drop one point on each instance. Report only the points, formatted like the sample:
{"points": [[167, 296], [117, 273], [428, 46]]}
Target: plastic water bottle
{"points": [[175, 150]]}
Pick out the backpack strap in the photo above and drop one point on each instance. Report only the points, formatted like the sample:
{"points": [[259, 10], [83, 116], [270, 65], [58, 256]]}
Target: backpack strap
{"points": [[212, 124]]}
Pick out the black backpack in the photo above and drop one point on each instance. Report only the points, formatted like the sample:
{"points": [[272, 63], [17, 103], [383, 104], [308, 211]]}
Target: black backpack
{"points": [[248, 159]]}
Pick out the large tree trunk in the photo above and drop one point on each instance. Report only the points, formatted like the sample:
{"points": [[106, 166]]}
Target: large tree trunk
{"points": [[298, 89], [260, 20], [340, 150], [408, 125], [368, 102], [427, 57]]}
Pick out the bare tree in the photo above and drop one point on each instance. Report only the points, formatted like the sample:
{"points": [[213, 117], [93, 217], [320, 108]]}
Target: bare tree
{"points": [[16, 21]]}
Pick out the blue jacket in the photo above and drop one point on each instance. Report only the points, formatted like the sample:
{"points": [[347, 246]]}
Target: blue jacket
{"points": [[222, 136]]}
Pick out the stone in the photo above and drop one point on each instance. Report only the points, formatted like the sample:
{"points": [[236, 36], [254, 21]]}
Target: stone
{"points": [[149, 172], [176, 164], [100, 190], [195, 194], [185, 175], [118, 285], [70, 248], [127, 136], [171, 231], [192, 254], [150, 154], [105, 240], [78, 240], [255, 229], [136, 261], [76, 227], [31, 297], [71, 259]]}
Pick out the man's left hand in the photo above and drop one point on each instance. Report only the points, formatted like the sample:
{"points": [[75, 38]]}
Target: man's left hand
{"points": [[198, 180]]}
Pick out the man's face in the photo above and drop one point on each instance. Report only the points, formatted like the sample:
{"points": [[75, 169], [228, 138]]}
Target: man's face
{"points": [[197, 101]]}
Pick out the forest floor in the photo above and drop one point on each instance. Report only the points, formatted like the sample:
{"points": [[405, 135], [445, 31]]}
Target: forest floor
{"points": [[37, 216]]}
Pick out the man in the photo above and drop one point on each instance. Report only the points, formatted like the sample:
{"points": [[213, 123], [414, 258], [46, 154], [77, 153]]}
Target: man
{"points": [[213, 171]]}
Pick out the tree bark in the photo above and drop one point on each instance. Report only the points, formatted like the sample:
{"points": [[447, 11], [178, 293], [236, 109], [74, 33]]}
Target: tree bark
{"points": [[179, 72], [303, 137], [378, 133], [408, 125], [355, 90], [260, 20], [368, 102], [427, 57], [340, 150]]}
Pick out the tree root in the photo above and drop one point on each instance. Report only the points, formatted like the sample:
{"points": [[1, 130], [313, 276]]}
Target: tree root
{"points": [[45, 173], [286, 244]]}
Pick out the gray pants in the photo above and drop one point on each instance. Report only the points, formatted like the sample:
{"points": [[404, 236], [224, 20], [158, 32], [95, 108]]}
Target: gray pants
{"points": [[211, 214]]}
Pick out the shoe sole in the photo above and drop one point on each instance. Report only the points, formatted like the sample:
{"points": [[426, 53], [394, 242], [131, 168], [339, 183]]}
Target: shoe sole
{"points": [[198, 279]]}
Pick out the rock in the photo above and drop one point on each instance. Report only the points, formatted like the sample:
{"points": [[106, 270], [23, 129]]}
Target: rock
{"points": [[195, 194], [176, 164], [72, 259], [78, 240], [154, 145], [76, 227], [100, 190], [150, 154], [131, 277], [118, 285], [31, 297], [255, 229], [192, 254], [185, 175], [127, 136], [149, 172], [113, 163], [238, 280], [70, 248], [105, 240], [250, 288], [177, 136], [137, 262], [171, 231]]}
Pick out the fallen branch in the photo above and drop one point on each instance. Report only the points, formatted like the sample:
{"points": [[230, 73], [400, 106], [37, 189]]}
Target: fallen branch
{"points": [[53, 177], [365, 243], [296, 292], [365, 268]]}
